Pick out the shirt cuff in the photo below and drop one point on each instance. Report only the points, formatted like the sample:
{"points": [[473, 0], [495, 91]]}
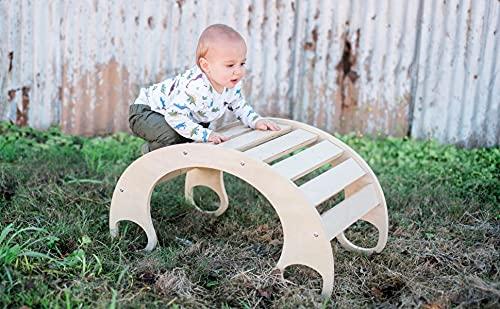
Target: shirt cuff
{"points": [[202, 136]]}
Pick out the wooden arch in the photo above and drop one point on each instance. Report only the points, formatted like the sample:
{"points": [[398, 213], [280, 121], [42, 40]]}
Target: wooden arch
{"points": [[306, 232]]}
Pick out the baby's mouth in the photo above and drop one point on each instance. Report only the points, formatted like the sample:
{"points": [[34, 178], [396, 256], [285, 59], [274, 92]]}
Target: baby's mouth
{"points": [[234, 80]]}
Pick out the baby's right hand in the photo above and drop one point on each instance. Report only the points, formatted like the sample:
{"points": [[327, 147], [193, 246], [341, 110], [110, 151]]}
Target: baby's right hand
{"points": [[217, 138]]}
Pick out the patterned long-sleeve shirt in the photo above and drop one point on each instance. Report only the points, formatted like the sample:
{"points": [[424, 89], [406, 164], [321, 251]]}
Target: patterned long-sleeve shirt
{"points": [[189, 99]]}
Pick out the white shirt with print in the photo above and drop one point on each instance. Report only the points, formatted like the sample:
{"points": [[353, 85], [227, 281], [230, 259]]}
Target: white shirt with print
{"points": [[188, 99]]}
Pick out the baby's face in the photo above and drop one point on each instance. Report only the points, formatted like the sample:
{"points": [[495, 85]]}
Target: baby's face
{"points": [[226, 64]]}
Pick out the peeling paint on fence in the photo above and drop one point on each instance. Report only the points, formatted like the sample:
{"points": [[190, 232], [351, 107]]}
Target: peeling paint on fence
{"points": [[352, 65], [425, 68], [457, 95], [30, 69]]}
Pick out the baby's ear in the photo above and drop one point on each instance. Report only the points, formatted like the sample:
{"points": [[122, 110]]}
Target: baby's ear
{"points": [[203, 64]]}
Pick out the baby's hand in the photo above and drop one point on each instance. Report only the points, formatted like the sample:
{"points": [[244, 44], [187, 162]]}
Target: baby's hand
{"points": [[217, 138], [265, 124]]}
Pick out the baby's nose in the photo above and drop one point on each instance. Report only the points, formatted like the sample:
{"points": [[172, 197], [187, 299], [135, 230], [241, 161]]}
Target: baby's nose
{"points": [[238, 71]]}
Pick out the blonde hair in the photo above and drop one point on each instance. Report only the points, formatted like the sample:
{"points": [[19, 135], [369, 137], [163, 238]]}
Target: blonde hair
{"points": [[212, 34]]}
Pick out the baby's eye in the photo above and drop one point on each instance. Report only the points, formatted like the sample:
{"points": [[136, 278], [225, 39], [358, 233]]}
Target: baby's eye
{"points": [[229, 65], [243, 63]]}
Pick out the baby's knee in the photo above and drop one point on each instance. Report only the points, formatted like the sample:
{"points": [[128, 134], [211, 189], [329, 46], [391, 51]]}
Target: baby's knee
{"points": [[170, 137]]}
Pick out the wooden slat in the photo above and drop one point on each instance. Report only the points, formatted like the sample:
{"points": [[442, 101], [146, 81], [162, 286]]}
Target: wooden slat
{"points": [[343, 215], [253, 138], [308, 160], [321, 188], [234, 131], [282, 145]]}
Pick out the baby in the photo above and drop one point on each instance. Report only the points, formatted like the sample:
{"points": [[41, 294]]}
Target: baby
{"points": [[180, 109]]}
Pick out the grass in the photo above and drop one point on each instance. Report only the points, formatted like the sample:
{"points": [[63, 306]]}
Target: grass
{"points": [[55, 248]]}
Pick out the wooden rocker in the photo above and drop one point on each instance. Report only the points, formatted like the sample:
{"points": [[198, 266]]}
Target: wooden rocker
{"points": [[249, 155]]}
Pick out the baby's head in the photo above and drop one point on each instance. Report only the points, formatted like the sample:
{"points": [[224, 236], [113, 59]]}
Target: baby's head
{"points": [[221, 55]]}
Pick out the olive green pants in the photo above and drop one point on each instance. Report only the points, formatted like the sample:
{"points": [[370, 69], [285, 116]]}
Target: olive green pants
{"points": [[152, 127]]}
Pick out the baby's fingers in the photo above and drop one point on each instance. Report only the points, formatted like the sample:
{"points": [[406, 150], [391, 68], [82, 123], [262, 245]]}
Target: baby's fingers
{"points": [[260, 126], [214, 139], [274, 126]]}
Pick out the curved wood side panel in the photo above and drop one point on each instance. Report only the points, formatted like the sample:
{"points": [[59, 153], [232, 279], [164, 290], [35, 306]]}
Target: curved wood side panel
{"points": [[305, 241], [378, 216]]}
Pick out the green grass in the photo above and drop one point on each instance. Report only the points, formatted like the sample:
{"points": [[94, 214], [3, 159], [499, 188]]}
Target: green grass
{"points": [[55, 248]]}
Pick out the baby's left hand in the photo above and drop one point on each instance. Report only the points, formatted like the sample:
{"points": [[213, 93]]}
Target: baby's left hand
{"points": [[265, 124]]}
